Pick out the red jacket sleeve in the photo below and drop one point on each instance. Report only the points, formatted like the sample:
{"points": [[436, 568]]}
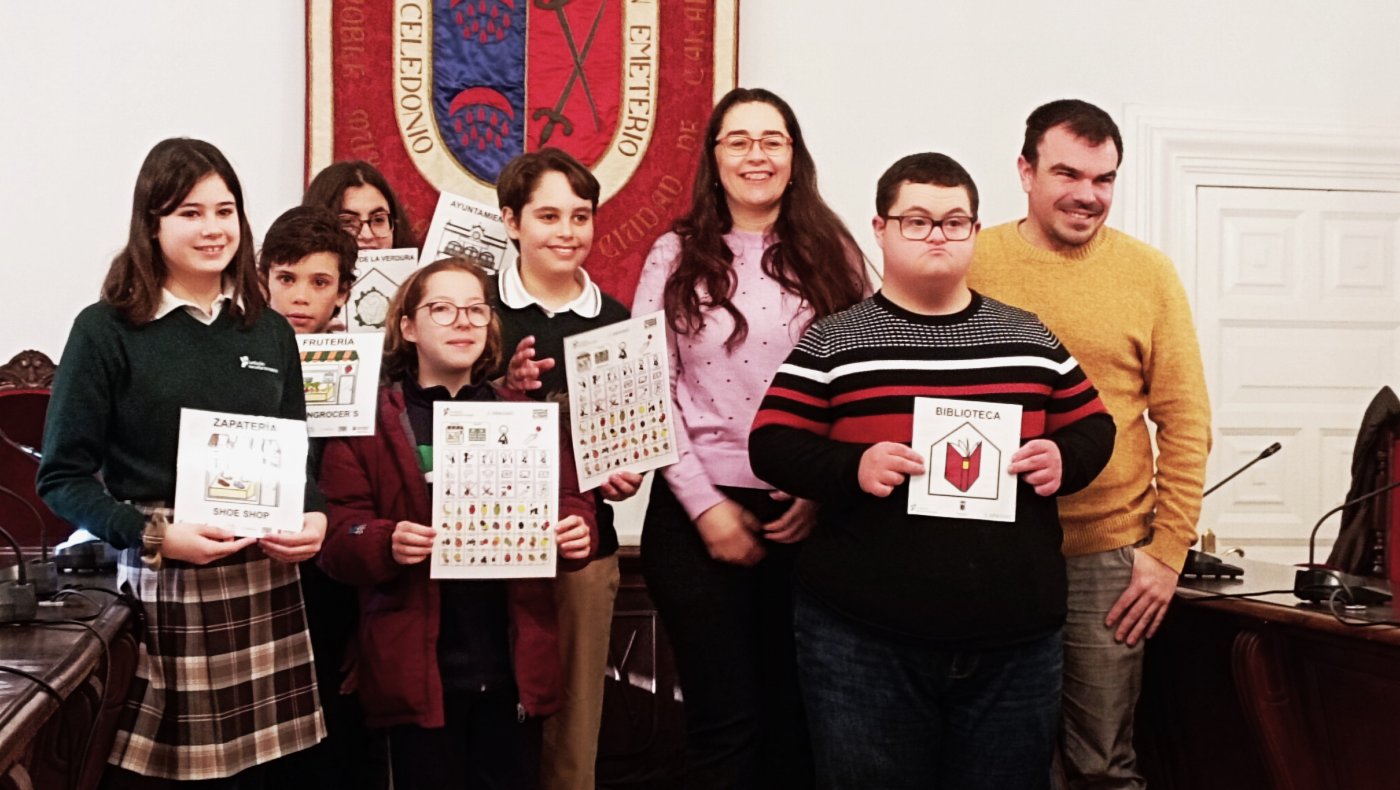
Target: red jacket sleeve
{"points": [[357, 547]]}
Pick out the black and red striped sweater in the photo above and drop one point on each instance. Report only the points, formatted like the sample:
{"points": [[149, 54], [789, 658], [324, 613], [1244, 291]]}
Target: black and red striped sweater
{"points": [[850, 383]]}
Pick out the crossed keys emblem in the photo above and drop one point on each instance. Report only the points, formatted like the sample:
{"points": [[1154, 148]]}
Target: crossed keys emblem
{"points": [[556, 115]]}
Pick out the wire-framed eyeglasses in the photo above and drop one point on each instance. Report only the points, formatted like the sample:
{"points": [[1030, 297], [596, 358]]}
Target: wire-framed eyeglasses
{"points": [[737, 145], [917, 227], [380, 224], [445, 313]]}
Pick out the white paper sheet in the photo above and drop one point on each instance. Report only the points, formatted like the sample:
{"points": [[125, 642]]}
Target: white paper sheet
{"points": [[378, 275], [465, 228], [340, 377], [495, 489], [620, 399], [243, 473], [967, 447]]}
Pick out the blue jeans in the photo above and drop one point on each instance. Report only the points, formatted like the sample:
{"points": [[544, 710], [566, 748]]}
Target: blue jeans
{"points": [[891, 714]]}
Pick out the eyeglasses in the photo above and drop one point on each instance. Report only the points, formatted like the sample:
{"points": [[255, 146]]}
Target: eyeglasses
{"points": [[737, 145], [445, 313], [380, 224], [916, 227]]}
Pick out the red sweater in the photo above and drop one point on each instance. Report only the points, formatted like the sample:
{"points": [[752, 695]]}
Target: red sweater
{"points": [[373, 482]]}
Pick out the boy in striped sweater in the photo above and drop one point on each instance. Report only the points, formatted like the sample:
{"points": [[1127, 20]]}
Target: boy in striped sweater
{"points": [[929, 648]]}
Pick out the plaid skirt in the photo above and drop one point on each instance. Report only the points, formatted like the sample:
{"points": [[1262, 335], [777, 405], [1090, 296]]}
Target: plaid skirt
{"points": [[224, 678]]}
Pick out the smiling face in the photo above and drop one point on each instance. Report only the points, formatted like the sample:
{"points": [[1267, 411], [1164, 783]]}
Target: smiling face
{"points": [[199, 238], [446, 354], [1070, 189], [554, 228], [753, 183], [928, 276], [366, 203], [308, 292]]}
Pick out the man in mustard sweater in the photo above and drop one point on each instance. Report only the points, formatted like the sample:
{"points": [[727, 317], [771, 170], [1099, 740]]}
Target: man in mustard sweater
{"points": [[1119, 307]]}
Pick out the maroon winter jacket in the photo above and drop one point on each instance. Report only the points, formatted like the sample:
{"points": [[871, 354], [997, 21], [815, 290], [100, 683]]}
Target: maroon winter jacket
{"points": [[373, 482]]}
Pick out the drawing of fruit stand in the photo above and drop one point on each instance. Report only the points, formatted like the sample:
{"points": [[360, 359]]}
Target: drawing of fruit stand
{"points": [[329, 376]]}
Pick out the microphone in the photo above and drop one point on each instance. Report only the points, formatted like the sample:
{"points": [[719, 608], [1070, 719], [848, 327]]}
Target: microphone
{"points": [[1315, 582], [18, 600], [1199, 563]]}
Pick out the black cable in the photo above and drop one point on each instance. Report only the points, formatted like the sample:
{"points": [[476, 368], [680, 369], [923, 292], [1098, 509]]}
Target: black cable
{"points": [[1224, 596], [40, 682], [1355, 622], [38, 518]]}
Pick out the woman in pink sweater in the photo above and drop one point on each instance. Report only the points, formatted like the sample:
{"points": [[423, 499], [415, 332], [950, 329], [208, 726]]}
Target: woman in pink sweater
{"points": [[758, 257]]}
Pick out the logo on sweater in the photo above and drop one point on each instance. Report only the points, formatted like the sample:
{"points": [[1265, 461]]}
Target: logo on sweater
{"points": [[253, 364]]}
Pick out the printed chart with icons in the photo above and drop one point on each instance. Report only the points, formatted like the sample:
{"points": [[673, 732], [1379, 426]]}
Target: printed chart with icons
{"points": [[620, 399], [495, 489]]}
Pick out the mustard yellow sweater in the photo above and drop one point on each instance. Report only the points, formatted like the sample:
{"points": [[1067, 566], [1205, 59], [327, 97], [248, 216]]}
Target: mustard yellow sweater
{"points": [[1120, 309]]}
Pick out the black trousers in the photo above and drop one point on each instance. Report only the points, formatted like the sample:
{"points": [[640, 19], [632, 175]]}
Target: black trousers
{"points": [[254, 778], [731, 631], [483, 745]]}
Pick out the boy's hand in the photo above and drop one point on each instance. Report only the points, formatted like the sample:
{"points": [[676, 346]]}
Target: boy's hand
{"points": [[411, 543], [795, 524], [621, 485], [885, 465], [524, 371], [200, 544], [730, 533], [1039, 460], [296, 546], [572, 537]]}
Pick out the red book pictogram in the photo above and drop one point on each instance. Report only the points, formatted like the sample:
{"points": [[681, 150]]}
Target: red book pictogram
{"points": [[962, 468]]}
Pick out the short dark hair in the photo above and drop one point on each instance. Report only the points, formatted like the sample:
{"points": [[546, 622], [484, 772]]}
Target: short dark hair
{"points": [[927, 168], [303, 231], [1084, 120], [327, 189], [522, 175]]}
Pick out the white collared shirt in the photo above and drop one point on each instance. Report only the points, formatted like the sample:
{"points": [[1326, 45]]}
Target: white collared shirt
{"points": [[588, 304], [169, 302]]}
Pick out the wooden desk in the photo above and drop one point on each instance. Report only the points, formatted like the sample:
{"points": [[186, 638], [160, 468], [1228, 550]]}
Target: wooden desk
{"points": [[1268, 692], [48, 744]]}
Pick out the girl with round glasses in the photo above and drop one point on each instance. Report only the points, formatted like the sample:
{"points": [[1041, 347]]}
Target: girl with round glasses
{"points": [[754, 261], [365, 204]]}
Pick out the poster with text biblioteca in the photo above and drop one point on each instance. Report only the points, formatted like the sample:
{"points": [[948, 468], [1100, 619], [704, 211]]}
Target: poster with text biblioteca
{"points": [[620, 399], [495, 481], [967, 447], [340, 378], [243, 473]]}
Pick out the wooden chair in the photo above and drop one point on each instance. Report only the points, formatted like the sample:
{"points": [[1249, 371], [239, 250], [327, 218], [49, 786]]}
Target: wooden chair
{"points": [[24, 399]]}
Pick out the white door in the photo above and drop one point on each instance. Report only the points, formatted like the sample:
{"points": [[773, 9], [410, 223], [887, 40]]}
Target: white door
{"points": [[1297, 299]]}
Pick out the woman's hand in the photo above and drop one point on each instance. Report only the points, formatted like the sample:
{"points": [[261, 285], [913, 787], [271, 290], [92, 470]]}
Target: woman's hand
{"points": [[730, 533], [573, 538], [411, 543], [200, 544], [795, 524], [296, 546]]}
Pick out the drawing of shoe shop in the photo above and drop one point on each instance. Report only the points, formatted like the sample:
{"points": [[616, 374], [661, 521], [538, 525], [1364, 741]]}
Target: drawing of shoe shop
{"points": [[243, 469], [328, 377]]}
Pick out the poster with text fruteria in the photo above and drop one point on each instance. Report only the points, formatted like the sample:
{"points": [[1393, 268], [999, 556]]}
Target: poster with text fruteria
{"points": [[967, 447], [620, 399], [465, 228], [243, 473], [495, 482], [340, 378], [378, 275]]}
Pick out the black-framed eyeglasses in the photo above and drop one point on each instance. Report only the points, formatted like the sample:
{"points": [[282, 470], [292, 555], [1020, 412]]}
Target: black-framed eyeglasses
{"points": [[916, 227], [445, 313], [737, 145], [380, 223]]}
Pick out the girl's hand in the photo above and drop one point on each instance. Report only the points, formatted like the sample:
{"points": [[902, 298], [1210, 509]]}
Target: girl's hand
{"points": [[411, 543], [730, 533], [296, 546], [795, 524], [200, 544], [573, 539], [621, 485], [524, 371]]}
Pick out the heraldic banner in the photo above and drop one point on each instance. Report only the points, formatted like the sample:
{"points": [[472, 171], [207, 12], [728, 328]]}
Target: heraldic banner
{"points": [[440, 94]]}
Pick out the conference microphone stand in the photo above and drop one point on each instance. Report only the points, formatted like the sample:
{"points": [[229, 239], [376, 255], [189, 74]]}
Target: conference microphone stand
{"points": [[1199, 563]]}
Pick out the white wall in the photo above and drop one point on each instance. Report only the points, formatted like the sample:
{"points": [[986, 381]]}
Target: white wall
{"points": [[86, 95]]}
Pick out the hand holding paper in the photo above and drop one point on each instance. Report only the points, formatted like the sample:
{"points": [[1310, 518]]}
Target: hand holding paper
{"points": [[621, 485], [411, 543], [297, 546], [885, 465], [200, 544], [1039, 460], [572, 535]]}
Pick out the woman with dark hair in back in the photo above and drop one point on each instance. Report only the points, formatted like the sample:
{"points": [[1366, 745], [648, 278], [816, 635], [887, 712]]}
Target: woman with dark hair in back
{"points": [[757, 258], [368, 209]]}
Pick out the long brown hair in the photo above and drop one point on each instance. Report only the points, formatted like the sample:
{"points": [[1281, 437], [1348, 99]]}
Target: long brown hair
{"points": [[812, 253], [136, 276], [327, 190], [401, 355]]}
